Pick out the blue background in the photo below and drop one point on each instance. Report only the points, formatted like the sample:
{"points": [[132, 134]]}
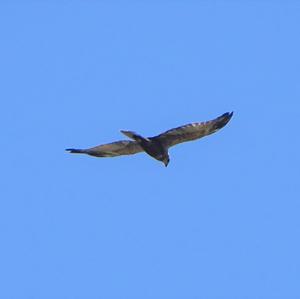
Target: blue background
{"points": [[222, 221]]}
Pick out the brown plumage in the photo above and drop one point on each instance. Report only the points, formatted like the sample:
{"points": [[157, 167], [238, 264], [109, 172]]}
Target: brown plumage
{"points": [[157, 146]]}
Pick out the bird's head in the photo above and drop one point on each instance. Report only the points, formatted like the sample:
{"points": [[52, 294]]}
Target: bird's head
{"points": [[166, 160]]}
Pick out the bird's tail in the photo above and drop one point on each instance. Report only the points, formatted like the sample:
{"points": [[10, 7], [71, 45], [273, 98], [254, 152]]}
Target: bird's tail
{"points": [[75, 151], [134, 136]]}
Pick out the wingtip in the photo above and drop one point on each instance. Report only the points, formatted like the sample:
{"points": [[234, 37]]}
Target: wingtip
{"points": [[228, 114], [74, 151], [222, 120]]}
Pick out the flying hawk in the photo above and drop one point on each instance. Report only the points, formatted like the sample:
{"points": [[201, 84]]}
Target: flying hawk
{"points": [[157, 146]]}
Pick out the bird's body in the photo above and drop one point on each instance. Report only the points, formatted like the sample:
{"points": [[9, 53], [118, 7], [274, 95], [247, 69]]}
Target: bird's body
{"points": [[157, 146]]}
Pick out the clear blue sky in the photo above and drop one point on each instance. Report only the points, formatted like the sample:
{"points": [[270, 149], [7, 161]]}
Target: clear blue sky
{"points": [[221, 221]]}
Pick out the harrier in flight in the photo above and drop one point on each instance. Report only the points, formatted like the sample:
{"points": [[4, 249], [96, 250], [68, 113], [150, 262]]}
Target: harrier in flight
{"points": [[157, 146]]}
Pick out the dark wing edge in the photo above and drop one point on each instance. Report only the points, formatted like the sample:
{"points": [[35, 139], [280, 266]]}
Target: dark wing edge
{"points": [[193, 131], [118, 148]]}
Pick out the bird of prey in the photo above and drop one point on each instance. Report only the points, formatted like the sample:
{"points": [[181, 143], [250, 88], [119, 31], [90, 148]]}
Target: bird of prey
{"points": [[157, 146]]}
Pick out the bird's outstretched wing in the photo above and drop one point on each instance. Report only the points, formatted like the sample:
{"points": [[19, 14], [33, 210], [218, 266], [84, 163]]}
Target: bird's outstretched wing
{"points": [[118, 148], [193, 131]]}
